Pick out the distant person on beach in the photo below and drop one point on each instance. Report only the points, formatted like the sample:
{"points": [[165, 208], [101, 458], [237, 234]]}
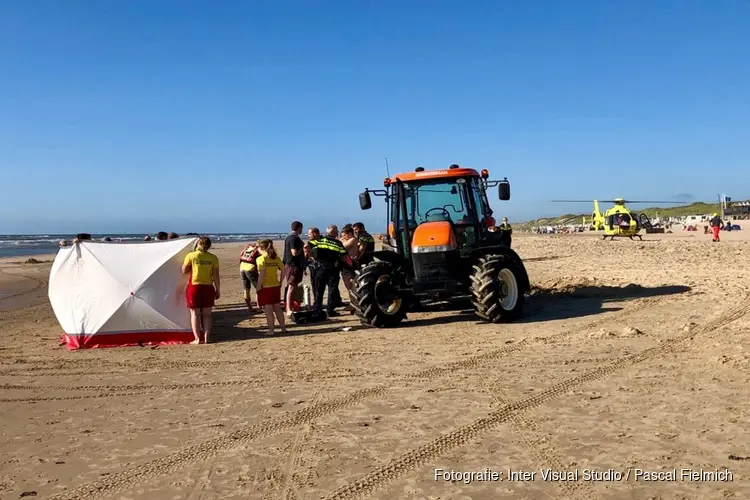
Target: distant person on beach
{"points": [[77, 239], [249, 271], [270, 273], [506, 232], [716, 225], [147, 238], [293, 260], [203, 287]]}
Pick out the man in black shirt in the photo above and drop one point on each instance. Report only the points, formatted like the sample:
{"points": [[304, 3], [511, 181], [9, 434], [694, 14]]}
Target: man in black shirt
{"points": [[293, 260]]}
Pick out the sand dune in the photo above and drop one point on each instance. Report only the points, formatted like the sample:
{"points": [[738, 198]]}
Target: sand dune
{"points": [[631, 356]]}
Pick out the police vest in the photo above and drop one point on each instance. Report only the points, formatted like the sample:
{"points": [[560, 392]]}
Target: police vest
{"points": [[505, 227], [368, 240], [327, 249]]}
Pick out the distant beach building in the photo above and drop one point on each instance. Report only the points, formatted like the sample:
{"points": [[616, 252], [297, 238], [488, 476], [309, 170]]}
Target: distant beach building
{"points": [[737, 209]]}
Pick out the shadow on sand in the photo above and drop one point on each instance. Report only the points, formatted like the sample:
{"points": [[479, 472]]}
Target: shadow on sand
{"points": [[578, 301], [555, 304], [543, 305], [226, 320]]}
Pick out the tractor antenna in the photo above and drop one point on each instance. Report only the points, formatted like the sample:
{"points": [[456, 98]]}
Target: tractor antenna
{"points": [[387, 170]]}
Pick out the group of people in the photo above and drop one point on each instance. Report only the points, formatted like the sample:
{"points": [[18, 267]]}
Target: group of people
{"points": [[327, 258], [160, 236]]}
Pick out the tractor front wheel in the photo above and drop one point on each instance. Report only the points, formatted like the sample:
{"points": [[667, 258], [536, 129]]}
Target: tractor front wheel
{"points": [[375, 296], [495, 286]]}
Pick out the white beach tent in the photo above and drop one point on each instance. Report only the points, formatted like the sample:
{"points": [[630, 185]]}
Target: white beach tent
{"points": [[120, 294]]}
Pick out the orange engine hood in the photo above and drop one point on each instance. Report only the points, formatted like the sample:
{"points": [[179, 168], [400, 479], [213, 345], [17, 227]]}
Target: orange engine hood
{"points": [[433, 234]]}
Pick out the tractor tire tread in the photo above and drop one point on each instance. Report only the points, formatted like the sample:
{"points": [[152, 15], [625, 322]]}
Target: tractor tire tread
{"points": [[363, 299], [485, 289]]}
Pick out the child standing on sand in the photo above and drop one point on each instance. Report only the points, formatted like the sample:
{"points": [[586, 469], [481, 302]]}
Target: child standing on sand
{"points": [[203, 287], [270, 268]]}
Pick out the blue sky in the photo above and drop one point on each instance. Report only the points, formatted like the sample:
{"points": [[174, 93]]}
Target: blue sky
{"points": [[241, 116]]}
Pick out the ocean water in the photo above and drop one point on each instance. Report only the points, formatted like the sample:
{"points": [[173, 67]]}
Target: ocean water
{"points": [[12, 245]]}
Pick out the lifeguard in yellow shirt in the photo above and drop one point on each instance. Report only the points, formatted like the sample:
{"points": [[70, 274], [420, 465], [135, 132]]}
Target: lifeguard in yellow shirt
{"points": [[203, 287]]}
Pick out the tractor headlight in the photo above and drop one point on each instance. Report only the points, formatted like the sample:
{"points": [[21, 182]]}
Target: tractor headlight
{"points": [[433, 248]]}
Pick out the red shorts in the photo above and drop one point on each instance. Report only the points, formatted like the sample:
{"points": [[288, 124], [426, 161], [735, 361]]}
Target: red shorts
{"points": [[200, 296], [269, 295]]}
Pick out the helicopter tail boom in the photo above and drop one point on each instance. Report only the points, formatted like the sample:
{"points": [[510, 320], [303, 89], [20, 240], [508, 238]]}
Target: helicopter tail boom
{"points": [[597, 219]]}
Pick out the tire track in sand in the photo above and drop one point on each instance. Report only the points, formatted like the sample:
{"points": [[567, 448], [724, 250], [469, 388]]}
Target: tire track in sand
{"points": [[284, 488], [418, 457], [203, 451], [39, 284], [43, 365], [115, 390], [534, 441], [67, 398]]}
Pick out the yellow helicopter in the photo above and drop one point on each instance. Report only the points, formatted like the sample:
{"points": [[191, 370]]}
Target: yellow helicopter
{"points": [[618, 221]]}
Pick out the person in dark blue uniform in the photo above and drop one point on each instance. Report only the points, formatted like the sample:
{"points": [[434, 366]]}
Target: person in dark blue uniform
{"points": [[506, 232], [313, 234], [366, 242], [328, 253]]}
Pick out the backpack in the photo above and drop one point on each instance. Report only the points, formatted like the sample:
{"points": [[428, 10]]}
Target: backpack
{"points": [[250, 259], [308, 315]]}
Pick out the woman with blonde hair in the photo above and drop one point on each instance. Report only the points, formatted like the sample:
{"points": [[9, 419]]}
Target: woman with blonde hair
{"points": [[203, 287], [270, 269]]}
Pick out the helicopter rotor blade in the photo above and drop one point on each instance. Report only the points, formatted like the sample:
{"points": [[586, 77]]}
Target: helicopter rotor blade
{"points": [[571, 201], [641, 201], [616, 201]]}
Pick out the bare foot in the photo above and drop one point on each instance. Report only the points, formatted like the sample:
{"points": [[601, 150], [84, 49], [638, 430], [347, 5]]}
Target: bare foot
{"points": [[196, 341], [269, 334]]}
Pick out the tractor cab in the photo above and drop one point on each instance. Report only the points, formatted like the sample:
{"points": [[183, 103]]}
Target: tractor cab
{"points": [[438, 219], [455, 201], [441, 245]]}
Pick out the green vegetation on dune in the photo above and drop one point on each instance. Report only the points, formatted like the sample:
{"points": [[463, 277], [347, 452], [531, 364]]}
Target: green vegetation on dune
{"points": [[698, 208]]}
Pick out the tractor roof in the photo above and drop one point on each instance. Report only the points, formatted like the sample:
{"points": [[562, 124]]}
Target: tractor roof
{"points": [[422, 174]]}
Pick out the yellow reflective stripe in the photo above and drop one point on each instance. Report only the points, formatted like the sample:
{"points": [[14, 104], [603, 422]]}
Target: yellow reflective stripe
{"points": [[322, 243], [331, 244], [334, 248]]}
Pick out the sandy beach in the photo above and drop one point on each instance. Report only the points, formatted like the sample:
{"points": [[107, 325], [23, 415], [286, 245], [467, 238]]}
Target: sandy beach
{"points": [[632, 361]]}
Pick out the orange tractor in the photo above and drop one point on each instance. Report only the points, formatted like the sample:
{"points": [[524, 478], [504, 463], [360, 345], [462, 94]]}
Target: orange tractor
{"points": [[441, 245]]}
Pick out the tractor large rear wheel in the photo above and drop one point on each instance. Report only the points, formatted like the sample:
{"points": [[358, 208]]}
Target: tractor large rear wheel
{"points": [[376, 299], [496, 288]]}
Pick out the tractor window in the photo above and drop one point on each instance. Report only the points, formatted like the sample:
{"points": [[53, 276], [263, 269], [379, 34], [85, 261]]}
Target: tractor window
{"points": [[480, 198], [429, 199]]}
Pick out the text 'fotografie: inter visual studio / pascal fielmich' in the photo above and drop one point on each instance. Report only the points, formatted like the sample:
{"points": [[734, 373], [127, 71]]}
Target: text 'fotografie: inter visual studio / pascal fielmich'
{"points": [[635, 474]]}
